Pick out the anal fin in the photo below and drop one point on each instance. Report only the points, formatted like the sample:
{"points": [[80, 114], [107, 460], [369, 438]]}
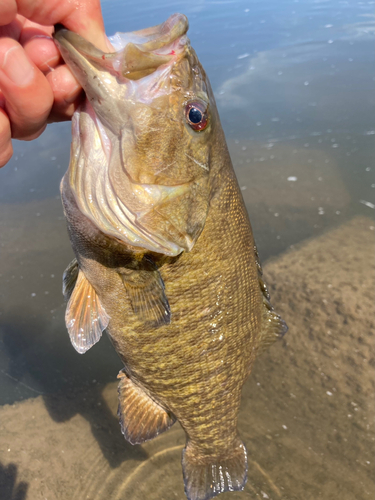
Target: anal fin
{"points": [[85, 317], [208, 476], [140, 417]]}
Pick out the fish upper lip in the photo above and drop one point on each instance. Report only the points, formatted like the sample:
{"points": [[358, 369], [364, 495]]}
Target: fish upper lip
{"points": [[151, 41]]}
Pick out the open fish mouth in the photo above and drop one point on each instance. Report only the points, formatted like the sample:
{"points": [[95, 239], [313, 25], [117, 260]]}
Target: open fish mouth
{"points": [[137, 55]]}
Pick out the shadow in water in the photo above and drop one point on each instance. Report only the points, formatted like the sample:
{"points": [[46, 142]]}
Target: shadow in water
{"points": [[42, 360], [9, 488]]}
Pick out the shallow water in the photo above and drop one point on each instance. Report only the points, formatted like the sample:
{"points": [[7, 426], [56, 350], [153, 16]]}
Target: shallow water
{"points": [[294, 85]]}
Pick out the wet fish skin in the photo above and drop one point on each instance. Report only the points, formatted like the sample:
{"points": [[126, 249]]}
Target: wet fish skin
{"points": [[187, 321]]}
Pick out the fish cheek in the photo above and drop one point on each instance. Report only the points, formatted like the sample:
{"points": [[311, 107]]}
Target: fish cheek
{"points": [[133, 151], [168, 156], [149, 149]]}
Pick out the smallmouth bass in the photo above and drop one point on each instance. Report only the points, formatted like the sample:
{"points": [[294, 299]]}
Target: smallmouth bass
{"points": [[165, 258]]}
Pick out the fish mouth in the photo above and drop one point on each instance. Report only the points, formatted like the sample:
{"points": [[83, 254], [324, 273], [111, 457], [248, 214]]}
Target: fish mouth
{"points": [[138, 54], [139, 68]]}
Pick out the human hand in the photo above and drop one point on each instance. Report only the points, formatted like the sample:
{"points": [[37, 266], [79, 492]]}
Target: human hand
{"points": [[35, 86]]}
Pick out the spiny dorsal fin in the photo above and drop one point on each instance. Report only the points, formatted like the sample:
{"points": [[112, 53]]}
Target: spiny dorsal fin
{"points": [[69, 279], [141, 418], [85, 317], [146, 290], [262, 284], [273, 327]]}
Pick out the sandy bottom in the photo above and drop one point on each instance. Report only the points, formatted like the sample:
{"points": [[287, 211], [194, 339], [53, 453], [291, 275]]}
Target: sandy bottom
{"points": [[307, 416]]}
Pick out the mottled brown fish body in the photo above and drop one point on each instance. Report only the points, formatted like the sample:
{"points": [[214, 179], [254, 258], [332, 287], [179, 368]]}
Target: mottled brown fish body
{"points": [[188, 325]]}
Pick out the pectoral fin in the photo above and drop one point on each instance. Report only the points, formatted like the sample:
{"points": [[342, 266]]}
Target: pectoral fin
{"points": [[69, 279], [146, 291], [141, 418], [85, 317]]}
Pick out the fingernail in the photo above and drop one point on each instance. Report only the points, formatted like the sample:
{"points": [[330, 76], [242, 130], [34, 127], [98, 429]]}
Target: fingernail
{"points": [[41, 36], [17, 66]]}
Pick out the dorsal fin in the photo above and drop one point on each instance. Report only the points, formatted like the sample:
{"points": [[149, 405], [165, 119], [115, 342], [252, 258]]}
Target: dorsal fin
{"points": [[273, 327], [85, 317]]}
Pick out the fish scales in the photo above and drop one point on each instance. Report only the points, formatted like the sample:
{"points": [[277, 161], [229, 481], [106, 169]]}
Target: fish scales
{"points": [[164, 245]]}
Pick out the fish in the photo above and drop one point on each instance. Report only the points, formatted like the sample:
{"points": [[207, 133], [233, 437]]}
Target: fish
{"points": [[165, 259]]}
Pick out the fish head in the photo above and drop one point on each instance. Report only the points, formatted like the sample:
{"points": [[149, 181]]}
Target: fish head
{"points": [[142, 140]]}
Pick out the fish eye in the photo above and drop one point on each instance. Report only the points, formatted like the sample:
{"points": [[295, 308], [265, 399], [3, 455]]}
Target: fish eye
{"points": [[196, 115]]}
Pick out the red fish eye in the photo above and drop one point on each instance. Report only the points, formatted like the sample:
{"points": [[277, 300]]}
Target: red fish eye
{"points": [[196, 115]]}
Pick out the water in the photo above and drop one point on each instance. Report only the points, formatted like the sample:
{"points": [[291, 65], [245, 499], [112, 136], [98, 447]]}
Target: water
{"points": [[294, 85]]}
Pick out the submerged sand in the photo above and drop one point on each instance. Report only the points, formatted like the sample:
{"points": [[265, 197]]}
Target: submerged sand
{"points": [[307, 415]]}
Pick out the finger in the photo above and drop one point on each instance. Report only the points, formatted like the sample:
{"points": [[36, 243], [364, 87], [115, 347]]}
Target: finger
{"points": [[29, 27], [6, 149], [67, 93], [39, 45], [13, 29], [82, 16], [43, 53], [28, 95], [36, 40], [8, 11]]}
